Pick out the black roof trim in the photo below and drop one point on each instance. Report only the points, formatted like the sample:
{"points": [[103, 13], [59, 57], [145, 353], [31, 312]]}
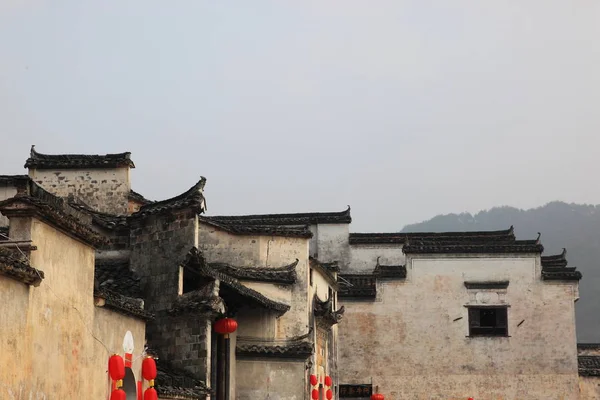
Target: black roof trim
{"points": [[258, 230], [12, 179], [389, 271], [282, 275], [192, 198], [195, 261], [341, 217], [588, 365], [54, 210], [116, 276], [135, 196], [299, 348], [77, 161], [431, 247], [403, 237], [554, 268], [123, 304], [486, 284], [354, 286], [14, 265], [324, 312]]}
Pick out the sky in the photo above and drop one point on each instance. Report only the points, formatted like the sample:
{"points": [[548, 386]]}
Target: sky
{"points": [[401, 109]]}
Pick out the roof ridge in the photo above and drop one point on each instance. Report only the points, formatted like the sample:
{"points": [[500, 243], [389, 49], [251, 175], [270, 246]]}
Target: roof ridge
{"points": [[74, 161], [306, 218]]}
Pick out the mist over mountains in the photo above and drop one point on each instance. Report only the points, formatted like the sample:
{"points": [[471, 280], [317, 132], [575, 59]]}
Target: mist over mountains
{"points": [[575, 227]]}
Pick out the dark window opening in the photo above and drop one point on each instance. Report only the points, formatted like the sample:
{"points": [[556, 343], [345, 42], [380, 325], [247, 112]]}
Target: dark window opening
{"points": [[488, 321], [192, 280], [310, 276]]}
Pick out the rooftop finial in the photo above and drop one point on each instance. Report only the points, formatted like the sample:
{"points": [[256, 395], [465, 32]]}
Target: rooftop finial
{"points": [[378, 260], [539, 236], [564, 252], [32, 151]]}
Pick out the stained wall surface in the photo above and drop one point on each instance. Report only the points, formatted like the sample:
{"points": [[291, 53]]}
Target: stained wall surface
{"points": [[266, 379], [413, 339], [267, 252], [105, 190], [48, 351]]}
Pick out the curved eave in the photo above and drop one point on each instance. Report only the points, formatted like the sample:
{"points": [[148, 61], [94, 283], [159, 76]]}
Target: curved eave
{"points": [[192, 198], [122, 304], [284, 275]]}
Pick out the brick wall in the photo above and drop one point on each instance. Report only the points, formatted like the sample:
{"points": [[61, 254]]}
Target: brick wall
{"points": [[158, 246], [105, 190]]}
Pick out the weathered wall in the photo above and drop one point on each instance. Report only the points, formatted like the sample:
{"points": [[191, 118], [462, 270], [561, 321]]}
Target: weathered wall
{"points": [[364, 257], [589, 388], [256, 323], [332, 243], [412, 340], [265, 251], [106, 190], [6, 192], [267, 379], [159, 244], [48, 350]]}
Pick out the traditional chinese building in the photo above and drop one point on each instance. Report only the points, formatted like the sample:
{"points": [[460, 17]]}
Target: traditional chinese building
{"points": [[417, 315], [458, 315], [60, 319], [192, 270]]}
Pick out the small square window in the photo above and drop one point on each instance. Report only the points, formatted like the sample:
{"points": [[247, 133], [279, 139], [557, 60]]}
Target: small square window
{"points": [[488, 321]]}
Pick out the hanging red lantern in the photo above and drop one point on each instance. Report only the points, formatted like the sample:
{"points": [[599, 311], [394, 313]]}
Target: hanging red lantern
{"points": [[470, 398], [150, 394], [377, 396], [329, 394], [315, 394], [225, 326], [149, 369], [313, 380], [118, 394], [116, 367], [328, 381]]}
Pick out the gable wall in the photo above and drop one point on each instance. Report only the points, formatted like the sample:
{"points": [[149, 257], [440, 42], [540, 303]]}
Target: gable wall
{"points": [[412, 340], [45, 331], [106, 190]]}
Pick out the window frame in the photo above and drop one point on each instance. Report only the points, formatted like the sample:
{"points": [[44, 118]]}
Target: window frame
{"points": [[491, 331]]}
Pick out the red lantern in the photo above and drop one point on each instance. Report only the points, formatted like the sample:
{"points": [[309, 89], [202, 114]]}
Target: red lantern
{"points": [[329, 394], [118, 394], [313, 380], [328, 381], [470, 398], [315, 394], [149, 368], [377, 396], [116, 367], [150, 394], [225, 326]]}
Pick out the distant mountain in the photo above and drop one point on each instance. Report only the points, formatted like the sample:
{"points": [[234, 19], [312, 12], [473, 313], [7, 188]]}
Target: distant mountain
{"points": [[575, 227]]}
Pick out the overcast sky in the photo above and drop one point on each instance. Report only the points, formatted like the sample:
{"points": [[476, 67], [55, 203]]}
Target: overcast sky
{"points": [[401, 109]]}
